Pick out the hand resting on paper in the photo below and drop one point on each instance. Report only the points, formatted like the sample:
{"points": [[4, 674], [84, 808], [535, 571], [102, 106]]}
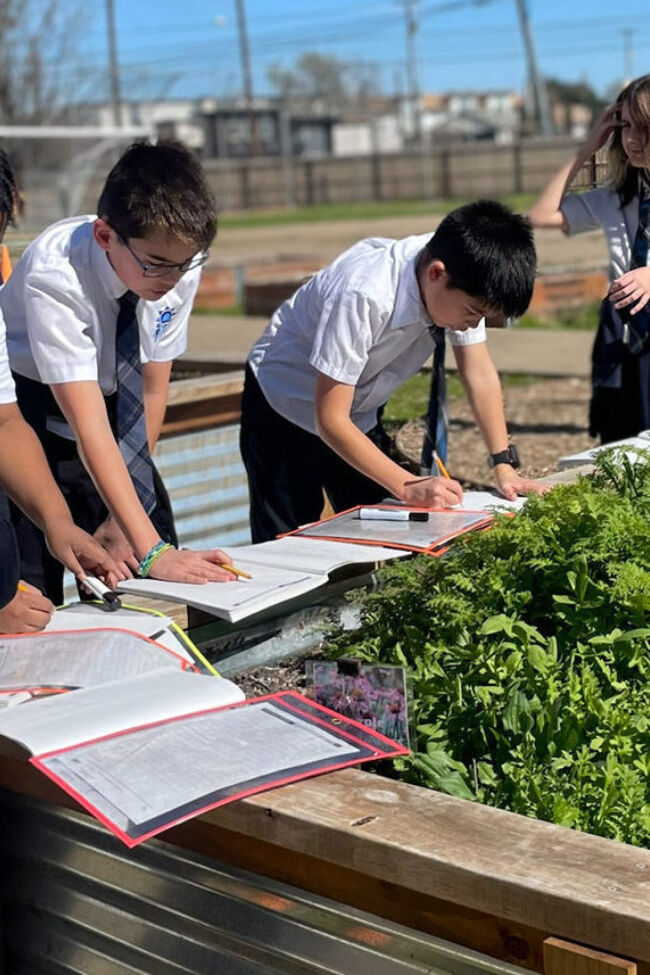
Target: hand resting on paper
{"points": [[510, 483], [185, 565]]}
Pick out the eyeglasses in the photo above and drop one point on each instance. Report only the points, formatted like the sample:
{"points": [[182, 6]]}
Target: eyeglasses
{"points": [[161, 270]]}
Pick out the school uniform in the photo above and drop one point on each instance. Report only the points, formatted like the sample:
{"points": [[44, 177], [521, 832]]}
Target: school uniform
{"points": [[361, 321], [9, 558], [620, 404], [61, 306]]}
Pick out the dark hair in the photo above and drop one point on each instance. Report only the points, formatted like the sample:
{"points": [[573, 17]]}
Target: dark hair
{"points": [[489, 253], [11, 202], [159, 187], [622, 174]]}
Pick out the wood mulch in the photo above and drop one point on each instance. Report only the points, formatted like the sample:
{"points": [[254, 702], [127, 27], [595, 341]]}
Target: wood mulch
{"points": [[547, 418]]}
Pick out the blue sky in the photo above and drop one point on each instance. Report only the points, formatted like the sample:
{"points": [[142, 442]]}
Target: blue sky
{"points": [[190, 47]]}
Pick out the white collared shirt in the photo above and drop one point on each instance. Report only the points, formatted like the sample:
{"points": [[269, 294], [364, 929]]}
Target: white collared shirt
{"points": [[7, 388], [60, 305], [360, 321], [601, 208]]}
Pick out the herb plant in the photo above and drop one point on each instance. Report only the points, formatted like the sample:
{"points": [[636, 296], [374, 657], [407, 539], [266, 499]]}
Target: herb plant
{"points": [[529, 650]]}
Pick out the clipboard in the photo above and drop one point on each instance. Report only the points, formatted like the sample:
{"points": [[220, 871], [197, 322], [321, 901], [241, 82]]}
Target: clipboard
{"points": [[432, 537]]}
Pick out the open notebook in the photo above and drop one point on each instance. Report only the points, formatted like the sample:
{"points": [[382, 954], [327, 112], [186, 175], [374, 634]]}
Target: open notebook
{"points": [[145, 753], [280, 570], [634, 448]]}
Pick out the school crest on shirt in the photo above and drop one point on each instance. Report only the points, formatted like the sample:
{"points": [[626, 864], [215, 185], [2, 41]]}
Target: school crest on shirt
{"points": [[164, 318]]}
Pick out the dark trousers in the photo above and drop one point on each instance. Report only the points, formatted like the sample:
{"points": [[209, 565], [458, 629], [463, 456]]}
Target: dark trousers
{"points": [[9, 564], [87, 508], [288, 469]]}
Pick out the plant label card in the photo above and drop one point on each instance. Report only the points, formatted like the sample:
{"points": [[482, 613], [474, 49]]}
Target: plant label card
{"points": [[375, 695], [149, 777]]}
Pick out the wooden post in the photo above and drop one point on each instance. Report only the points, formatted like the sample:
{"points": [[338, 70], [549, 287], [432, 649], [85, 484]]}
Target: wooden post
{"points": [[566, 958]]}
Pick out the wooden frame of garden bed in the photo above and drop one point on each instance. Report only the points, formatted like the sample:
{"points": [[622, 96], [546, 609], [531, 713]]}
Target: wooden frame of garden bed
{"points": [[490, 880], [544, 897]]}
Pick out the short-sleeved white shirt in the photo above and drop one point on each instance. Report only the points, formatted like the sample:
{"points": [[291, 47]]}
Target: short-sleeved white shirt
{"points": [[7, 388], [61, 306], [360, 321], [601, 208]]}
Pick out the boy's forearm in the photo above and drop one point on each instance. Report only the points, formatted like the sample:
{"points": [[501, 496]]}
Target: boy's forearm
{"points": [[485, 395], [361, 453], [84, 409], [25, 473]]}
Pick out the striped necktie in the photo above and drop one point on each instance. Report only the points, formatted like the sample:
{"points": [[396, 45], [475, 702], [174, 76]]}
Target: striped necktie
{"points": [[437, 421], [130, 427]]}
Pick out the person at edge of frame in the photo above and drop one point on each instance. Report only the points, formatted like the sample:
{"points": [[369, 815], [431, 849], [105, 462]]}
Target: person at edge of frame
{"points": [[334, 352], [620, 402], [139, 257], [25, 474]]}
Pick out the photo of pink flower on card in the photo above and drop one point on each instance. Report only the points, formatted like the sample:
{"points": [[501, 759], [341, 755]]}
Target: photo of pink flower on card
{"points": [[371, 694]]}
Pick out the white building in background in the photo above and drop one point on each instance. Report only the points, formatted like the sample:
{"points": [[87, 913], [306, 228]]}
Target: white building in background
{"points": [[471, 114], [219, 128], [177, 118]]}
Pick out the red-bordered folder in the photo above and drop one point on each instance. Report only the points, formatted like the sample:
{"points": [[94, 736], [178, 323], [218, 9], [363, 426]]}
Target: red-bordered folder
{"points": [[430, 538], [144, 779]]}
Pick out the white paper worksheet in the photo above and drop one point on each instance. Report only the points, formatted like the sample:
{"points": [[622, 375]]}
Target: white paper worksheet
{"points": [[139, 776]]}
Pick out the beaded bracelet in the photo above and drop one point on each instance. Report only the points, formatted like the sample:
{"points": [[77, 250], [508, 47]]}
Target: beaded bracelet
{"points": [[148, 560]]}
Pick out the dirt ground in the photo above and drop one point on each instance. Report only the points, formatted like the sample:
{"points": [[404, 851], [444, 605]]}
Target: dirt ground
{"points": [[547, 418], [324, 241]]}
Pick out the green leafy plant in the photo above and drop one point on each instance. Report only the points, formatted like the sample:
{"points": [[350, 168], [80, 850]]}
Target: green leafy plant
{"points": [[529, 650]]}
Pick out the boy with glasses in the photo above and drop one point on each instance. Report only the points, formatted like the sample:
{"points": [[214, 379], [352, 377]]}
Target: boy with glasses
{"points": [[96, 310]]}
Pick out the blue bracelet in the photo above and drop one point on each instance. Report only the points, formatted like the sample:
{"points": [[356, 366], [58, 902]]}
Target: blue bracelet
{"points": [[144, 568]]}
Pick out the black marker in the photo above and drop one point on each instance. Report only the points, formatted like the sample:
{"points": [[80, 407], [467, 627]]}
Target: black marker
{"points": [[110, 599]]}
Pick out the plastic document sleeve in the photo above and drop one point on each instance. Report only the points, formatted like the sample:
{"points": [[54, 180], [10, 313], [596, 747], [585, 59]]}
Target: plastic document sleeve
{"points": [[142, 780], [431, 537]]}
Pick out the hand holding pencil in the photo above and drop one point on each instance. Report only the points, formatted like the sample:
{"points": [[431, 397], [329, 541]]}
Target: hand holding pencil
{"points": [[433, 491]]}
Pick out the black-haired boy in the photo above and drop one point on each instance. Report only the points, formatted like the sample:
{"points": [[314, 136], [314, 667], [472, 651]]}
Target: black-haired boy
{"points": [[96, 310], [332, 355]]}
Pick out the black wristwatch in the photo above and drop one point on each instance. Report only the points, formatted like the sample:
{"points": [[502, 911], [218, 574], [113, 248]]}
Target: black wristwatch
{"points": [[508, 456]]}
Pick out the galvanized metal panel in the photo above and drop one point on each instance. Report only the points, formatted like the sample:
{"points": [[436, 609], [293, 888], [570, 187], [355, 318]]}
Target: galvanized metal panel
{"points": [[75, 900], [205, 477]]}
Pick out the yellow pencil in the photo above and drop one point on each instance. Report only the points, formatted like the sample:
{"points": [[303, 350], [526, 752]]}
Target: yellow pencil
{"points": [[23, 588], [237, 572], [441, 467]]}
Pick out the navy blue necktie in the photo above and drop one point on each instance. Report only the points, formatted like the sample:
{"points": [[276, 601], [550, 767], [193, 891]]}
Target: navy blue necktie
{"points": [[130, 427], [437, 421]]}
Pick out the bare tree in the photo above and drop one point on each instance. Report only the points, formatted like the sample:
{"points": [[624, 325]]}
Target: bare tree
{"points": [[38, 58], [323, 81]]}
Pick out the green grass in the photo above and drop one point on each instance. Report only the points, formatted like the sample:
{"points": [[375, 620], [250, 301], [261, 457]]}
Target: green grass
{"points": [[583, 317], [229, 311], [356, 211], [411, 399]]}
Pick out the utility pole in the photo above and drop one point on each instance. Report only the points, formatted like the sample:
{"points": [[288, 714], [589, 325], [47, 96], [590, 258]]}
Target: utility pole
{"points": [[412, 66], [114, 72], [535, 81], [246, 74], [628, 55]]}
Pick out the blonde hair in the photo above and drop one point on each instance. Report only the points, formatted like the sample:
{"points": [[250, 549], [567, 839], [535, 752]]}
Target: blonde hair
{"points": [[622, 175]]}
